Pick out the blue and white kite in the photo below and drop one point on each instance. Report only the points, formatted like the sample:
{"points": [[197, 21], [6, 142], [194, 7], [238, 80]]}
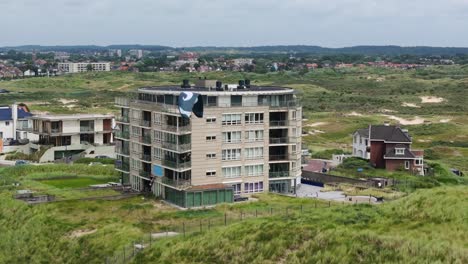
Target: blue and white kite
{"points": [[190, 102]]}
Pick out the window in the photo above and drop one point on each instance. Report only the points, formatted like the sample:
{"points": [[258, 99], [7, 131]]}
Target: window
{"points": [[157, 136], [136, 131], [210, 138], [211, 173], [211, 155], [7, 123], [407, 164], [293, 149], [135, 164], [254, 118], [236, 188], [400, 151], [211, 120], [231, 154], [254, 153], [252, 187], [236, 100], [418, 162], [157, 119], [232, 119], [157, 153], [232, 137], [254, 170], [232, 172], [294, 115], [254, 135]]}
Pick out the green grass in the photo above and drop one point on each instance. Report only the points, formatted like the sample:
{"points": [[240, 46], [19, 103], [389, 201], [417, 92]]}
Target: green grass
{"points": [[74, 182], [426, 227]]}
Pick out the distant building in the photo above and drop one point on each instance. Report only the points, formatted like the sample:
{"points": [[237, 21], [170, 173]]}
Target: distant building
{"points": [[12, 117], [29, 73], [75, 67], [388, 147], [242, 61], [188, 56]]}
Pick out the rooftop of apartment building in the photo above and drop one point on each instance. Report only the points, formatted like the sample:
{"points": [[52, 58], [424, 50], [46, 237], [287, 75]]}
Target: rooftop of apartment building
{"points": [[73, 117], [217, 87]]}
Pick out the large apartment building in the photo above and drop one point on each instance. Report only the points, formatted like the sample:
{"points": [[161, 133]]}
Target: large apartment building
{"points": [[74, 67], [248, 141]]}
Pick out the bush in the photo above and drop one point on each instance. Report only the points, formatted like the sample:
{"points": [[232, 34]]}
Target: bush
{"points": [[355, 163], [327, 154], [89, 160]]}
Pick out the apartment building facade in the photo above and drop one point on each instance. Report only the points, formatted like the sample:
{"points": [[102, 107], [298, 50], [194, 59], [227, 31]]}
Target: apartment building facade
{"points": [[75, 67], [248, 141]]}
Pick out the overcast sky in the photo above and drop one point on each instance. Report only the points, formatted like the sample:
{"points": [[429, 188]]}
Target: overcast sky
{"points": [[330, 23]]}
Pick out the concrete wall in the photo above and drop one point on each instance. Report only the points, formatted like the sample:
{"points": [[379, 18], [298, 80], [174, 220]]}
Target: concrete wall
{"points": [[7, 130], [327, 178]]}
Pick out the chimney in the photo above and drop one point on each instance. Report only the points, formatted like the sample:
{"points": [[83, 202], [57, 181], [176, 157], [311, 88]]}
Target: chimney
{"points": [[241, 84], [247, 83], [185, 84]]}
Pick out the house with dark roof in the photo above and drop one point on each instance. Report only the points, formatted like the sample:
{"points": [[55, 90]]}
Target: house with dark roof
{"points": [[388, 147], [12, 117]]}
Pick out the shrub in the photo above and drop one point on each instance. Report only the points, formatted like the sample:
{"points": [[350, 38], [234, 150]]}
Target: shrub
{"points": [[89, 160]]}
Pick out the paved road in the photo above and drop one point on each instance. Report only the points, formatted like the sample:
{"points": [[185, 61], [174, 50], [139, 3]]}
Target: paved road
{"points": [[311, 191]]}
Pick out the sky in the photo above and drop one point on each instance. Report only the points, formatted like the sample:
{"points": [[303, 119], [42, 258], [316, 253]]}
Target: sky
{"points": [[183, 23]]}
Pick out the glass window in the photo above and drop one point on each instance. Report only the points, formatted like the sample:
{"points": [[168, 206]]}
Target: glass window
{"points": [[254, 135], [211, 173], [231, 119], [254, 153], [231, 154], [211, 155], [254, 170], [232, 172], [210, 138], [232, 137], [254, 118], [211, 120]]}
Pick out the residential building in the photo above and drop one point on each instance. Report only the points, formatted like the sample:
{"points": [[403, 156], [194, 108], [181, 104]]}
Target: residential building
{"points": [[75, 67], [361, 143], [12, 117], [248, 141], [68, 135], [389, 147]]}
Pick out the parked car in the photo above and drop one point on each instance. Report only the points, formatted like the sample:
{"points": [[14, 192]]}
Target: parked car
{"points": [[21, 162], [238, 198]]}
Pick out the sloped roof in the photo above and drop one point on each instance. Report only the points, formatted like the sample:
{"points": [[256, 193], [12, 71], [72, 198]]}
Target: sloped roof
{"points": [[388, 133], [392, 154], [363, 132], [5, 114]]}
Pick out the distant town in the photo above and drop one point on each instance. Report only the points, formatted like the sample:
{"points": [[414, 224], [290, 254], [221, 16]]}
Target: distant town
{"points": [[23, 63]]}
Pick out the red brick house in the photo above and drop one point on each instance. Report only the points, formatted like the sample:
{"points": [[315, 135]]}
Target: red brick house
{"points": [[390, 148]]}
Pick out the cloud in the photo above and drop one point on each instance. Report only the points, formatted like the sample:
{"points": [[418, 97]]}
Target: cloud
{"points": [[241, 22]]}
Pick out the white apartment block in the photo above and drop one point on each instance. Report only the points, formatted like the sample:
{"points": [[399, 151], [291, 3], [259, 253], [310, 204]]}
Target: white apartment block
{"points": [[75, 67], [248, 141]]}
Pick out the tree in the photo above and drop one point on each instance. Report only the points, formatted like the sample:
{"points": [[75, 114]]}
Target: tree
{"points": [[89, 67]]}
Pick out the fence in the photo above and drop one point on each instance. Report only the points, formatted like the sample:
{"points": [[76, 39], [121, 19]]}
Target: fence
{"points": [[197, 226]]}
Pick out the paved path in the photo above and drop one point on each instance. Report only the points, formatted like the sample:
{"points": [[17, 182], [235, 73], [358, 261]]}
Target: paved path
{"points": [[311, 191]]}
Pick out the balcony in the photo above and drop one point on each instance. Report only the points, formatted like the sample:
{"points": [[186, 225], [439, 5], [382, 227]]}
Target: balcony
{"points": [[122, 119], [280, 157], [145, 139], [279, 174], [122, 134], [178, 183], [278, 123], [175, 129], [122, 150], [145, 123], [122, 166], [86, 129], [145, 157], [144, 173], [176, 165], [176, 147], [282, 140], [292, 103], [55, 130], [122, 101]]}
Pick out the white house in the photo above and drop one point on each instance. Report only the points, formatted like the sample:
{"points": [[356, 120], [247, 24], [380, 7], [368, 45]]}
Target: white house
{"points": [[361, 143], [12, 117]]}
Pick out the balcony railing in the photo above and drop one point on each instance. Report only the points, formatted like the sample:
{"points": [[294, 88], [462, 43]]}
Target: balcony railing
{"points": [[176, 129], [278, 157], [122, 134], [278, 123], [55, 130], [145, 174], [86, 129], [279, 174], [145, 157], [122, 119], [122, 101], [122, 166], [145, 123], [176, 165], [145, 139], [176, 147], [178, 183], [282, 140], [122, 150]]}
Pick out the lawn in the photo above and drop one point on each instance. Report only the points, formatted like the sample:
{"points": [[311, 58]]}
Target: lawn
{"points": [[78, 182]]}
